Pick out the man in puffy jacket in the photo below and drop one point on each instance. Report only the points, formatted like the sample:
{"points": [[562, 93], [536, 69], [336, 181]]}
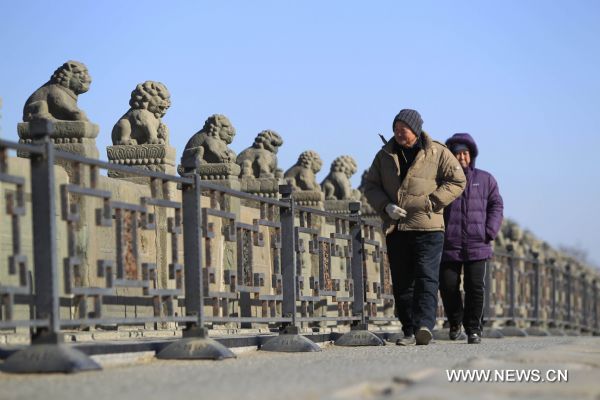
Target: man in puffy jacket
{"points": [[472, 223], [411, 180]]}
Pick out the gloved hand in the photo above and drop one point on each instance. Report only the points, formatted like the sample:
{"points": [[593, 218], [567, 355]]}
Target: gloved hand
{"points": [[395, 212]]}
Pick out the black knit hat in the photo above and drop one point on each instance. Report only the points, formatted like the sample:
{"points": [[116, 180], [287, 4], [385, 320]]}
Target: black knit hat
{"points": [[412, 118]]}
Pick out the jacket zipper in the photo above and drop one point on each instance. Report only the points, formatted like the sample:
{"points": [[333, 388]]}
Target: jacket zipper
{"points": [[464, 223]]}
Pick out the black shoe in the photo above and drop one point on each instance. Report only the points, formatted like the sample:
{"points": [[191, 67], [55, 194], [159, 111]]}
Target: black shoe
{"points": [[455, 332], [423, 336], [474, 338], [407, 340]]}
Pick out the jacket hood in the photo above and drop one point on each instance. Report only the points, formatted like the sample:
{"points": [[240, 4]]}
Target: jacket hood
{"points": [[467, 140]]}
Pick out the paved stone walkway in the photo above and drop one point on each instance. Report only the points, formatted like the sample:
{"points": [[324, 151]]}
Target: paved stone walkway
{"points": [[388, 372]]}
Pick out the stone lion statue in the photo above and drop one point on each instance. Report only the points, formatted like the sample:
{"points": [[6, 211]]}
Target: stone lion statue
{"points": [[260, 160], [548, 252], [531, 243], [513, 236], [512, 231], [337, 186], [302, 176], [142, 123], [500, 241], [209, 145], [363, 180], [57, 98]]}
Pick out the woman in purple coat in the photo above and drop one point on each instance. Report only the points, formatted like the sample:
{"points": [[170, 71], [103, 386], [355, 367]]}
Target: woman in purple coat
{"points": [[472, 223]]}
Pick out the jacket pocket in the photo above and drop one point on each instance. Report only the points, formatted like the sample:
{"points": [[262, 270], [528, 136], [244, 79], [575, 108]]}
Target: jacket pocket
{"points": [[414, 204], [477, 233]]}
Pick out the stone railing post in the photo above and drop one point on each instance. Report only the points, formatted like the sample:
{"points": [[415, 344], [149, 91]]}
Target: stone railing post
{"points": [[584, 323], [511, 287], [47, 353], [568, 279], [553, 293], [595, 308], [289, 339], [358, 306], [288, 257], [536, 291], [44, 244], [195, 343], [359, 334], [487, 299], [192, 252]]}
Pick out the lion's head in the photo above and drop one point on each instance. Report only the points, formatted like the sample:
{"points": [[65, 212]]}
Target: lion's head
{"points": [[74, 76], [269, 140], [219, 126], [529, 237], [310, 159], [151, 96], [513, 231], [345, 164]]}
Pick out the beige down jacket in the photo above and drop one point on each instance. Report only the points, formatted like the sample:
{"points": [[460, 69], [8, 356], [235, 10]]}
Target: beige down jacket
{"points": [[433, 181]]}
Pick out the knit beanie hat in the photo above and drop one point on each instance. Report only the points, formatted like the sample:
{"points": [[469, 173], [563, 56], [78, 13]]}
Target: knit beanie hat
{"points": [[412, 118], [458, 147]]}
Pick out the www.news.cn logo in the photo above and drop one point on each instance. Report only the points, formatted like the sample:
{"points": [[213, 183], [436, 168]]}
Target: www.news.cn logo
{"points": [[507, 375]]}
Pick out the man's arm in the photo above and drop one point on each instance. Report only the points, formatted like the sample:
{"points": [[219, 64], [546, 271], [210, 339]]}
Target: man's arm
{"points": [[452, 181], [374, 192]]}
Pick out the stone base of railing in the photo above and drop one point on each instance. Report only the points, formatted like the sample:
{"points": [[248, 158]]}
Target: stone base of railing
{"points": [[77, 137], [263, 187], [149, 157], [129, 334], [309, 198], [338, 206], [224, 174]]}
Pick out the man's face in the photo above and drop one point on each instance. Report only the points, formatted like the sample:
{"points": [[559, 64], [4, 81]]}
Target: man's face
{"points": [[404, 136], [464, 158]]}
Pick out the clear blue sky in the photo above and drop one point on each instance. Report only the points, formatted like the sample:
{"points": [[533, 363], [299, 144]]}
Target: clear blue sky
{"points": [[523, 77]]}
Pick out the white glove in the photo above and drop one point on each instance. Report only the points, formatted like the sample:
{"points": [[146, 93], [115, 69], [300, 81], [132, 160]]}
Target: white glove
{"points": [[395, 212]]}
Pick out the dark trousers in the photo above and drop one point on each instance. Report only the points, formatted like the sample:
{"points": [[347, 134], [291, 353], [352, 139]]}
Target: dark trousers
{"points": [[414, 265], [471, 313]]}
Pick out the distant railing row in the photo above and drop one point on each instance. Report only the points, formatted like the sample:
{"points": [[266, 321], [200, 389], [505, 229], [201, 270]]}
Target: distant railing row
{"points": [[83, 250]]}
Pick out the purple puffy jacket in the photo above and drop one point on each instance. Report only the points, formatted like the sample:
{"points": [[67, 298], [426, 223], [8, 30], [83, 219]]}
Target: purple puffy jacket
{"points": [[472, 220]]}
